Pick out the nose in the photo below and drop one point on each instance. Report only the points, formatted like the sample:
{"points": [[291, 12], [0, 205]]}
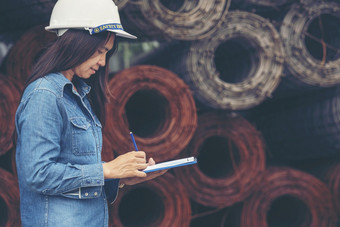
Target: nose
{"points": [[102, 60]]}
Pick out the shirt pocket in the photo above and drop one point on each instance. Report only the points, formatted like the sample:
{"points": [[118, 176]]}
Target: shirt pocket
{"points": [[83, 141]]}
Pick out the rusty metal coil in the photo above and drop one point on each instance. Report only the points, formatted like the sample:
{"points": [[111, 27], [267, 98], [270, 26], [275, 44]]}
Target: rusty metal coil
{"points": [[236, 68], [289, 197], [332, 179], [9, 200], [159, 202], [231, 157], [156, 105], [310, 33], [175, 20], [301, 128], [25, 52], [107, 150], [9, 99]]}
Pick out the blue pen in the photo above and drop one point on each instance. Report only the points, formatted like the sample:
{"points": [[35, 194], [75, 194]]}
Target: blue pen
{"points": [[133, 140]]}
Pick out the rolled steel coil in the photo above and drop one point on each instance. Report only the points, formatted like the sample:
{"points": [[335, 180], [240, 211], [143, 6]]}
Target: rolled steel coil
{"points": [[303, 127], [310, 33], [236, 68], [156, 105], [9, 100], [231, 157], [175, 20], [159, 202], [289, 197], [9, 200], [26, 51]]}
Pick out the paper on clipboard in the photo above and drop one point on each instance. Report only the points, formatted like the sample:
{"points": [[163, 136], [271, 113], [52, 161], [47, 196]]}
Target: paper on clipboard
{"points": [[171, 164]]}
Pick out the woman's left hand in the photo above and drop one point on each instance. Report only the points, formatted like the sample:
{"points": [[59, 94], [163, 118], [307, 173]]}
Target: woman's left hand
{"points": [[137, 180]]}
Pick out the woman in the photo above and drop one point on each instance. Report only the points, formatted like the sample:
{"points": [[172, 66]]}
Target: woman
{"points": [[60, 118]]}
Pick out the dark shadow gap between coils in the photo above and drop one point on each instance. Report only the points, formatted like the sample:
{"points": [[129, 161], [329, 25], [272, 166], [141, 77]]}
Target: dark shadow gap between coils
{"points": [[288, 211], [3, 213], [173, 5], [146, 112], [214, 161], [235, 60], [145, 205]]}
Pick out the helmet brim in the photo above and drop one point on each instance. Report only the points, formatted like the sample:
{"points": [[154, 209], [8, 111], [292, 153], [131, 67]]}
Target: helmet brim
{"points": [[120, 33], [123, 34]]}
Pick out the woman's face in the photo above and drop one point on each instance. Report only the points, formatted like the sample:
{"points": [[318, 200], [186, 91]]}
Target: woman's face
{"points": [[90, 66]]}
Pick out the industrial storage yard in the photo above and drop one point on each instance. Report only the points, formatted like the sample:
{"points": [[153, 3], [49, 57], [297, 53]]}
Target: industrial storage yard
{"points": [[249, 87]]}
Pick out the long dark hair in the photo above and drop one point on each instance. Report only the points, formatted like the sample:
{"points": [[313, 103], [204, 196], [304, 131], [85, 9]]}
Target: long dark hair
{"points": [[70, 50]]}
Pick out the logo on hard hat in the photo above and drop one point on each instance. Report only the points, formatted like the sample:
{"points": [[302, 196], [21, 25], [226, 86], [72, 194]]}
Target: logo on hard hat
{"points": [[114, 26]]}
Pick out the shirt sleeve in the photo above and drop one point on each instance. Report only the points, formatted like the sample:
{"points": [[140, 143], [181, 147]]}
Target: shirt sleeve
{"points": [[39, 126]]}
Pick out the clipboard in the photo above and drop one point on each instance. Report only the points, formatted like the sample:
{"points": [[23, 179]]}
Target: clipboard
{"points": [[171, 164]]}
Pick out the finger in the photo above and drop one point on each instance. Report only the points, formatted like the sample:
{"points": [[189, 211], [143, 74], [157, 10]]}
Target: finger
{"points": [[140, 174], [142, 166], [151, 162], [140, 154]]}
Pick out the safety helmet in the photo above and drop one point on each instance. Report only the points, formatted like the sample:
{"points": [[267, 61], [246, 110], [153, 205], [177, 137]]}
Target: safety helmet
{"points": [[92, 15]]}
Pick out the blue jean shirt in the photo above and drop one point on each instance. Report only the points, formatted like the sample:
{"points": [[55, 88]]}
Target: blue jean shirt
{"points": [[58, 156]]}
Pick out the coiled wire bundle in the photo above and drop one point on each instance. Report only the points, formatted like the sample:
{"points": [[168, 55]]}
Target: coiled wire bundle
{"points": [[9, 100], [9, 200], [302, 128], [156, 105], [332, 179], [231, 157], [175, 20], [289, 197], [26, 51], [159, 202], [310, 33], [235, 68]]}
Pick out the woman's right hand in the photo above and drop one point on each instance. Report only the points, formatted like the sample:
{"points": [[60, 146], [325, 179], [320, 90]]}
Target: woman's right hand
{"points": [[127, 165]]}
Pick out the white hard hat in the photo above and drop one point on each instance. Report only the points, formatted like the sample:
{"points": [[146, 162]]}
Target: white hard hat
{"points": [[92, 15]]}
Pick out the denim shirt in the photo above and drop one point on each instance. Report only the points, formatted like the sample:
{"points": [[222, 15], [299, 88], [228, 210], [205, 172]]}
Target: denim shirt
{"points": [[58, 156]]}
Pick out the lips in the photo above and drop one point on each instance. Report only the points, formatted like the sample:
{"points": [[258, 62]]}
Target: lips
{"points": [[94, 70]]}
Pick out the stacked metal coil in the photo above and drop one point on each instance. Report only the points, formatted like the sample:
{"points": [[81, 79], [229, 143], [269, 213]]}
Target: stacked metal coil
{"points": [[107, 150], [310, 33], [156, 105], [236, 68], [175, 20], [159, 202], [26, 51], [332, 179], [301, 128], [9, 200], [231, 159], [289, 197], [9, 100]]}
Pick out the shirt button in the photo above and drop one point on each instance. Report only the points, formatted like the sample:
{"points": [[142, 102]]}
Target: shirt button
{"points": [[86, 194], [95, 193]]}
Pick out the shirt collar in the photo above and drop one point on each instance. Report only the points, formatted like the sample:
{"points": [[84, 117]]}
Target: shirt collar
{"points": [[61, 81]]}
